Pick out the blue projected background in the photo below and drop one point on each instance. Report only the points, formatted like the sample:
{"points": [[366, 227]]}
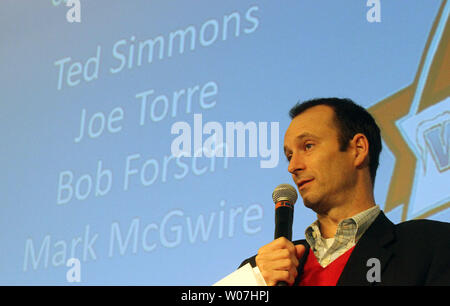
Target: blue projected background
{"points": [[90, 110]]}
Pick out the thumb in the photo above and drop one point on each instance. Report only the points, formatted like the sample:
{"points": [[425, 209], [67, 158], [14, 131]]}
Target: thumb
{"points": [[300, 250]]}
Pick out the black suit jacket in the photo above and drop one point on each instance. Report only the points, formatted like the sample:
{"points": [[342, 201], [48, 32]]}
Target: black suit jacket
{"points": [[415, 252]]}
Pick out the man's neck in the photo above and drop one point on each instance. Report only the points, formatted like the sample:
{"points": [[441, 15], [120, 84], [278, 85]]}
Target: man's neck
{"points": [[329, 221]]}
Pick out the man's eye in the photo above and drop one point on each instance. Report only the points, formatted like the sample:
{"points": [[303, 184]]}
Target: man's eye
{"points": [[308, 146]]}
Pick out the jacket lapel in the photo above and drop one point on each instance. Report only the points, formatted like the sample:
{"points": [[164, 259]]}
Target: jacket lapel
{"points": [[301, 261], [373, 244]]}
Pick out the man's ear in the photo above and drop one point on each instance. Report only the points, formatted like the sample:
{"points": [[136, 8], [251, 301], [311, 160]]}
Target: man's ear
{"points": [[361, 150]]}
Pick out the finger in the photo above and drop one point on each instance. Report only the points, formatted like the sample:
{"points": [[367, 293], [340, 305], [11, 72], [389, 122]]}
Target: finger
{"points": [[287, 265], [279, 243], [279, 254], [283, 243], [278, 276], [290, 254], [286, 276], [268, 265], [299, 250], [292, 275], [278, 249], [284, 265]]}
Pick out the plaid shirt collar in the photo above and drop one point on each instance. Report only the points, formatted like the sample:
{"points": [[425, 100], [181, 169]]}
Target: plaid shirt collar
{"points": [[348, 233]]}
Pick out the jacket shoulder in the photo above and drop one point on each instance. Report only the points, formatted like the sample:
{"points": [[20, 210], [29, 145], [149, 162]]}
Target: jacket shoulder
{"points": [[422, 228], [425, 244]]}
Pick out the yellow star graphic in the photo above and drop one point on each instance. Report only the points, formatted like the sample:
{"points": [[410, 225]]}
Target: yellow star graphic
{"points": [[431, 85]]}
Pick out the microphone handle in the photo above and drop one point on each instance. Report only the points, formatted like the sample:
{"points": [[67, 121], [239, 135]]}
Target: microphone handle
{"points": [[283, 228], [283, 222]]}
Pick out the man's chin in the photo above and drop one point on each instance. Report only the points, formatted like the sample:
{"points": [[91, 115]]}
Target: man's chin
{"points": [[309, 203], [314, 204]]}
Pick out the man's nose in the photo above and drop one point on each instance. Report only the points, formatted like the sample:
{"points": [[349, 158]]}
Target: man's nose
{"points": [[296, 163]]}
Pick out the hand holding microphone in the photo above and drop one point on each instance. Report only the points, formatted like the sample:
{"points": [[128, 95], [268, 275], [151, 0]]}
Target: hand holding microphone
{"points": [[278, 260]]}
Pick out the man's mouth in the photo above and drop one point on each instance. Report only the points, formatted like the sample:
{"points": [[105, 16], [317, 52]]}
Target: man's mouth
{"points": [[302, 183]]}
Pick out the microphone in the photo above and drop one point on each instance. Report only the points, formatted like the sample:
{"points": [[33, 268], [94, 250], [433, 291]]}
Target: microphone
{"points": [[284, 196]]}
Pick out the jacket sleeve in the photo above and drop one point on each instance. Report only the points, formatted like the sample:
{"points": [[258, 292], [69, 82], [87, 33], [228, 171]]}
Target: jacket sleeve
{"points": [[250, 260], [439, 271]]}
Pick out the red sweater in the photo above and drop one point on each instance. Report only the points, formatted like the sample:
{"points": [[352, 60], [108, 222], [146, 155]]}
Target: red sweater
{"points": [[315, 275]]}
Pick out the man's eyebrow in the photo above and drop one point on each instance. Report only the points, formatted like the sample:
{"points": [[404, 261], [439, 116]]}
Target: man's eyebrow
{"points": [[300, 137], [306, 135]]}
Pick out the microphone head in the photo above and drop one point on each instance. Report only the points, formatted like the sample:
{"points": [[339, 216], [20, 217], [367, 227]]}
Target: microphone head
{"points": [[284, 192]]}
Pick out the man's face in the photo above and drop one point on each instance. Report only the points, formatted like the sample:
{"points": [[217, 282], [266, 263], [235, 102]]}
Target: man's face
{"points": [[324, 175]]}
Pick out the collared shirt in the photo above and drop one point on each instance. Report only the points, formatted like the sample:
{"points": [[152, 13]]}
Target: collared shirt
{"points": [[348, 233]]}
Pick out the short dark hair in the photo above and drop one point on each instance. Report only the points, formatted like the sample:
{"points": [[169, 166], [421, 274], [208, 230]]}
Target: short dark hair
{"points": [[350, 118]]}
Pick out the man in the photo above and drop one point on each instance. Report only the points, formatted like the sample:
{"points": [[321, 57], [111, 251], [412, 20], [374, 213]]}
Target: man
{"points": [[333, 147]]}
